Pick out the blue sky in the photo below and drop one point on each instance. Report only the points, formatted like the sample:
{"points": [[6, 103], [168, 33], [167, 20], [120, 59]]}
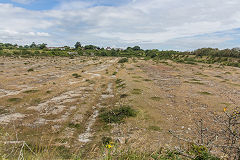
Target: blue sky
{"points": [[161, 24], [50, 4]]}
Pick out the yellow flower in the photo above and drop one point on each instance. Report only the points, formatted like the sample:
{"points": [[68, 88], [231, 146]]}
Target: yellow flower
{"points": [[109, 146], [225, 109]]}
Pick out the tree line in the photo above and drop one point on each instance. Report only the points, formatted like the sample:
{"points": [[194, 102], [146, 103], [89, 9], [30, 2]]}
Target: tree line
{"points": [[228, 57]]}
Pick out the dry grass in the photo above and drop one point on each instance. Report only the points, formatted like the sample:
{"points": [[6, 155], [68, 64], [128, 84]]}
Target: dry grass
{"points": [[54, 104]]}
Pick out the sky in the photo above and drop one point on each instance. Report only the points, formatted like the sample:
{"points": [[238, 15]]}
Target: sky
{"points": [[151, 24]]}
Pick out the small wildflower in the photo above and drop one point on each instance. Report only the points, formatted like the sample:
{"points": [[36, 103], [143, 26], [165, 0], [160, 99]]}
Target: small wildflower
{"points": [[109, 146], [225, 109]]}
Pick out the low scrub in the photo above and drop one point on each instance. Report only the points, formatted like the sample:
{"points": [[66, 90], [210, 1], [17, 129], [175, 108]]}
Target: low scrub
{"points": [[118, 115], [123, 60]]}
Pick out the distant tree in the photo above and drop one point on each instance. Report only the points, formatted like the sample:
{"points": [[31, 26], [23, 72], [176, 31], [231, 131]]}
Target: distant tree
{"points": [[42, 46], [90, 47], [26, 46], [103, 53], [136, 48], [33, 45], [78, 45], [129, 48], [66, 47]]}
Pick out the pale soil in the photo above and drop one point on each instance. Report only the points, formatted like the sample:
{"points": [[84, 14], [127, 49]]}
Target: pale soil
{"points": [[50, 100]]}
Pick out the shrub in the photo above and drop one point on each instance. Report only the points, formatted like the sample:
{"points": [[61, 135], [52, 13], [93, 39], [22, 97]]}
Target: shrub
{"points": [[118, 115], [123, 60], [30, 70]]}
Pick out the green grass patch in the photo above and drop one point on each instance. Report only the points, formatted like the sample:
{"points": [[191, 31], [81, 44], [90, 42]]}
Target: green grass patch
{"points": [[31, 91], [48, 92], [3, 111], [90, 81], [136, 77], [154, 128], [123, 95], [118, 81], [205, 93], [194, 82], [36, 101], [136, 81], [218, 76], [118, 115], [227, 72], [195, 79], [75, 75], [156, 98], [122, 85], [73, 125], [136, 91], [30, 70], [14, 100]]}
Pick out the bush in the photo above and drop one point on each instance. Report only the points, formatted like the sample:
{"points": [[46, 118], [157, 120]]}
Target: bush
{"points": [[75, 75], [118, 115], [30, 70], [123, 60]]}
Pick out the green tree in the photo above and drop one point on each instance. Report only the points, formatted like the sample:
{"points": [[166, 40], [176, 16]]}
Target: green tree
{"points": [[78, 45], [136, 48], [33, 45], [42, 46]]}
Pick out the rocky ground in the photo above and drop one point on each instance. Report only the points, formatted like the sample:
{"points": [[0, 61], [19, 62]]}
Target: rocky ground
{"points": [[56, 101]]}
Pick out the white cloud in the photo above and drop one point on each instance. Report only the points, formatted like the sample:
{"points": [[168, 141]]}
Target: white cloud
{"points": [[148, 23]]}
